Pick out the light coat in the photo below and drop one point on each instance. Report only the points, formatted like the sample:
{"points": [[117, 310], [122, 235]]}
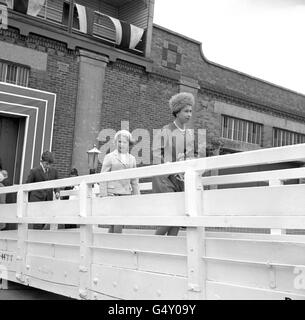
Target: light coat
{"points": [[113, 162]]}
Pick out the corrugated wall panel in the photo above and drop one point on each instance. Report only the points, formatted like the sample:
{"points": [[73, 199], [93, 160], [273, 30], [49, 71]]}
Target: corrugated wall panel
{"points": [[100, 6], [134, 12]]}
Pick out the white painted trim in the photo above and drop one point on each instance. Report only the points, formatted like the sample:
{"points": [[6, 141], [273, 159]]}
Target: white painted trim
{"points": [[28, 88], [36, 121], [281, 174], [34, 140], [16, 152], [24, 148], [46, 109], [52, 126], [24, 140], [45, 106]]}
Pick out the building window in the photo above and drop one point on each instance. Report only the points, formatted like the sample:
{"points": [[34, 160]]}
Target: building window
{"points": [[52, 10], [241, 130], [284, 137], [14, 73]]}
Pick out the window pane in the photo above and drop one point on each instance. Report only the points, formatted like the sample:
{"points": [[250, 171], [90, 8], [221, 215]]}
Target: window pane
{"points": [[285, 137], [14, 74], [11, 74], [2, 71]]}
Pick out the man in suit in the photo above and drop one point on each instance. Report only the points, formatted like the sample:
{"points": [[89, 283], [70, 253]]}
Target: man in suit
{"points": [[43, 172]]}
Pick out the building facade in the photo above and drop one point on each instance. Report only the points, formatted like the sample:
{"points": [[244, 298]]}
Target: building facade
{"points": [[121, 67]]}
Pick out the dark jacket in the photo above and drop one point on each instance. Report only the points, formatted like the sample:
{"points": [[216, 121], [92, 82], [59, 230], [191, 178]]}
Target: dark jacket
{"points": [[37, 175]]}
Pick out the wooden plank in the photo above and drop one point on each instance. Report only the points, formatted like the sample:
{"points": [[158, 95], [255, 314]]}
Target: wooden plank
{"points": [[68, 253], [196, 271], [53, 208], [258, 237], [145, 186], [256, 276], [276, 182], [41, 249], [196, 268], [282, 253], [175, 265], [224, 221], [284, 174], [86, 239], [257, 157], [115, 258], [139, 260], [53, 270], [152, 243], [22, 198], [137, 285], [8, 211], [227, 291], [169, 204], [272, 201], [59, 236]]}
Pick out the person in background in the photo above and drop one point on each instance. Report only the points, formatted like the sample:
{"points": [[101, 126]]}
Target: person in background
{"points": [[177, 144], [73, 174], [119, 159], [43, 172]]}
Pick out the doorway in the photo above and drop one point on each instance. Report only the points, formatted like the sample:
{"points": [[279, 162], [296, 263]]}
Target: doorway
{"points": [[11, 145]]}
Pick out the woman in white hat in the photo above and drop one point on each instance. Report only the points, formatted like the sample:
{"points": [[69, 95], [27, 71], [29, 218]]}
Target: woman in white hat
{"points": [[177, 144], [119, 159]]}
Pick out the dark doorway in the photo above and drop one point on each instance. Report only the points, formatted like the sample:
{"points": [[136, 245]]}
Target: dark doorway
{"points": [[11, 143]]}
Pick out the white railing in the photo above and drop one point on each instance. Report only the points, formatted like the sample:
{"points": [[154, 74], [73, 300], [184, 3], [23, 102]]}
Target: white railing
{"points": [[276, 206]]}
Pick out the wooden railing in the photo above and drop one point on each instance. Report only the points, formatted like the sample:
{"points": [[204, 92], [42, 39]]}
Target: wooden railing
{"points": [[88, 263]]}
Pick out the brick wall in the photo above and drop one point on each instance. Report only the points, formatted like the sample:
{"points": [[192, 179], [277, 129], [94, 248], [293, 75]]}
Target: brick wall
{"points": [[131, 94], [195, 65], [61, 78], [177, 57]]}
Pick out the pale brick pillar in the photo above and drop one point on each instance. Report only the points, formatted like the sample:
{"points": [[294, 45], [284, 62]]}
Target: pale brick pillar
{"points": [[92, 69]]}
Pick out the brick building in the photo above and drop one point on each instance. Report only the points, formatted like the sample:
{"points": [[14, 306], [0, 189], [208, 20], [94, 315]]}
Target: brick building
{"points": [[99, 82]]}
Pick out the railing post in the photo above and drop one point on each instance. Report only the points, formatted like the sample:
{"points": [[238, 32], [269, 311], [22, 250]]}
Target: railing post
{"points": [[275, 183], [22, 200], [195, 237], [86, 241]]}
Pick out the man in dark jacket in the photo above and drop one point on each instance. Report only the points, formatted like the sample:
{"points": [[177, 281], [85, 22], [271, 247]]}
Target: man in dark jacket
{"points": [[43, 172]]}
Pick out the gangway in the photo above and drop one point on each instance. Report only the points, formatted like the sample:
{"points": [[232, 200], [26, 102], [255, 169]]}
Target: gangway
{"points": [[209, 259]]}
